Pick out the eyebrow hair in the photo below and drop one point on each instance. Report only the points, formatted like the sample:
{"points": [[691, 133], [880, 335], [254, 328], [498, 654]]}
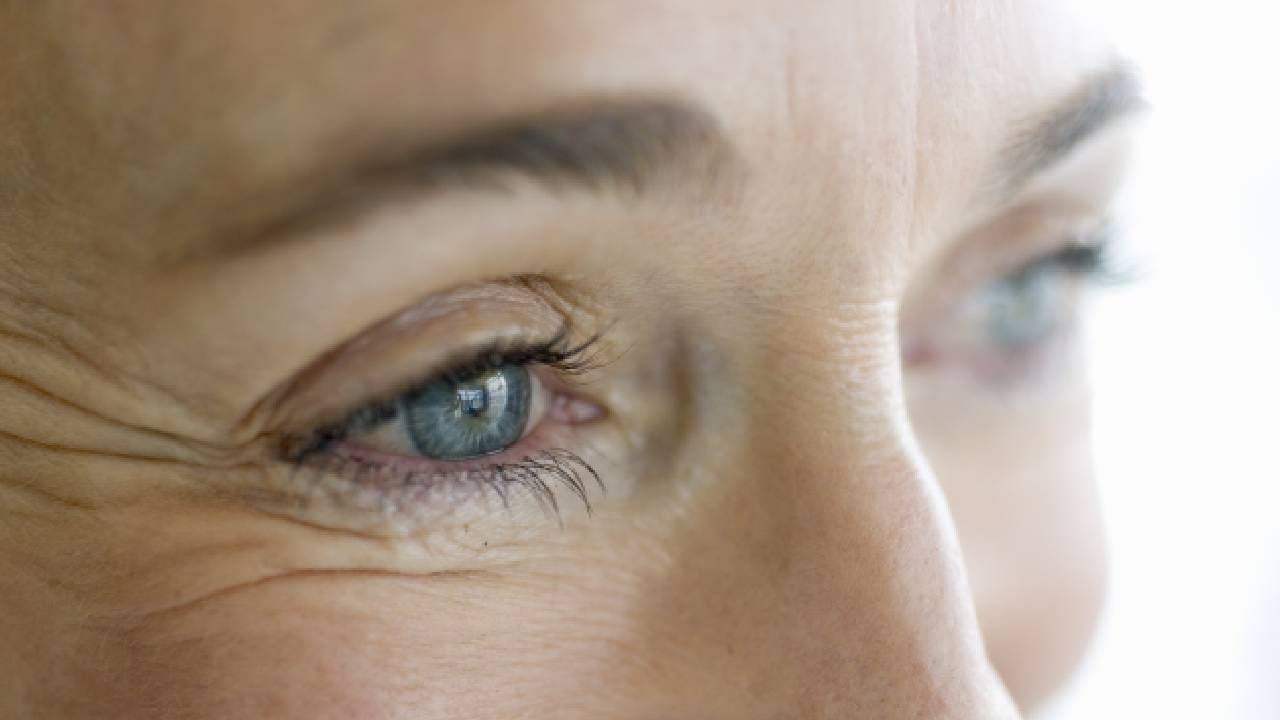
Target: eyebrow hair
{"points": [[1049, 138], [628, 148], [620, 145]]}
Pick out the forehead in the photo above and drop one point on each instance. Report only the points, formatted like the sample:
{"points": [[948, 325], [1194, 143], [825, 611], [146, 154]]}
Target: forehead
{"points": [[215, 105]]}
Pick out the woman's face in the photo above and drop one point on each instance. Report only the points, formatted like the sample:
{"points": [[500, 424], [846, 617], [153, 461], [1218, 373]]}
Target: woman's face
{"points": [[574, 360]]}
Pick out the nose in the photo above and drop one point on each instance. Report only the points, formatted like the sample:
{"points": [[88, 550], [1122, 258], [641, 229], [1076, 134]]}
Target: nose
{"points": [[871, 581], [838, 564]]}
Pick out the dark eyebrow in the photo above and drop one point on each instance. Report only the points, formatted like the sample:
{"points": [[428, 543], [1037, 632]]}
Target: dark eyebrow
{"points": [[630, 148], [622, 147], [1045, 140]]}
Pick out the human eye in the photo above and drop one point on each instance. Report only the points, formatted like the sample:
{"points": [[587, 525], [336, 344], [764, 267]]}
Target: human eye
{"points": [[1025, 308], [491, 424], [1010, 325]]}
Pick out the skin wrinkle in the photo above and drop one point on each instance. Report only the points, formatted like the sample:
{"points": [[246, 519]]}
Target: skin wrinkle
{"points": [[584, 624], [36, 343], [56, 348], [138, 460], [15, 486], [29, 388], [123, 611], [417, 556], [158, 614]]}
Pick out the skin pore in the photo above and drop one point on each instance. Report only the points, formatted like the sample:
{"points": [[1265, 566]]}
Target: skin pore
{"points": [[833, 398]]}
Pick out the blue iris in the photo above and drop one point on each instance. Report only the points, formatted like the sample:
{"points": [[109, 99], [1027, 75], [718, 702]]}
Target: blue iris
{"points": [[1024, 308], [476, 414]]}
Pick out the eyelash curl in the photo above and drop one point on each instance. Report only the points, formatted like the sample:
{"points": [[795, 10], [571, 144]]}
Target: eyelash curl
{"points": [[538, 473], [1094, 258]]}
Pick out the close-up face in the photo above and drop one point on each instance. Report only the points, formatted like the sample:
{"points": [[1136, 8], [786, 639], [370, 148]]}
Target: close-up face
{"points": [[574, 359]]}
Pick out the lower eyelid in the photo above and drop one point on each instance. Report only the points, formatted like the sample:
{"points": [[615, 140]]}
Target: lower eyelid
{"points": [[537, 485]]}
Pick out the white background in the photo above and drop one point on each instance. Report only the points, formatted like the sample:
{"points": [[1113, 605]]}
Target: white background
{"points": [[1185, 367]]}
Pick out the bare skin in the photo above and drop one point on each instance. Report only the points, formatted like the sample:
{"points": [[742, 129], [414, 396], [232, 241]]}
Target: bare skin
{"points": [[837, 482]]}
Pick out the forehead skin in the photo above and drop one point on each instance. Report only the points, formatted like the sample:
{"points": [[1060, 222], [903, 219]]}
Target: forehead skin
{"points": [[863, 131], [196, 106]]}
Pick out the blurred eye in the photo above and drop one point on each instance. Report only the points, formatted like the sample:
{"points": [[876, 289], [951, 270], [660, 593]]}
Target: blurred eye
{"points": [[1014, 324], [479, 413], [1029, 306], [1025, 308]]}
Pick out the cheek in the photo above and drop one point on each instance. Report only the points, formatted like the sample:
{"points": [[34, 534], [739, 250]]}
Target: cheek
{"points": [[322, 646]]}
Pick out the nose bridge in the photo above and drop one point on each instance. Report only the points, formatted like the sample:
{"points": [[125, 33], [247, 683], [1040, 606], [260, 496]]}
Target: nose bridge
{"points": [[871, 578]]}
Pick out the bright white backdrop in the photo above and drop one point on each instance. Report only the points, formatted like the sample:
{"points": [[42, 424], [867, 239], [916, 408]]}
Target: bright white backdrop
{"points": [[1187, 373]]}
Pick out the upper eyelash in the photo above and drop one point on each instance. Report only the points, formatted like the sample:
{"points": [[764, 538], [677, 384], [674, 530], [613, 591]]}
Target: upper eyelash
{"points": [[559, 353], [1093, 257]]}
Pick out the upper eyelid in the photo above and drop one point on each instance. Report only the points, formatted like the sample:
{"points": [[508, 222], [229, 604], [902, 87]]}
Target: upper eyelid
{"points": [[398, 351], [1010, 244]]}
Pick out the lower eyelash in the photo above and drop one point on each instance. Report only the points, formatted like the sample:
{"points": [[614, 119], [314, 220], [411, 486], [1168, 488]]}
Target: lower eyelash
{"points": [[376, 486], [562, 467]]}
